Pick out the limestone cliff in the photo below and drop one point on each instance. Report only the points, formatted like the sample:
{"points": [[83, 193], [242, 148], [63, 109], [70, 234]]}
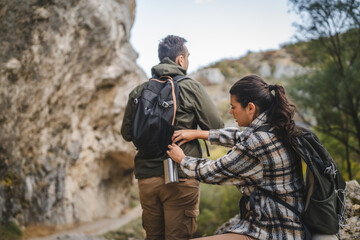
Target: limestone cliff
{"points": [[66, 68]]}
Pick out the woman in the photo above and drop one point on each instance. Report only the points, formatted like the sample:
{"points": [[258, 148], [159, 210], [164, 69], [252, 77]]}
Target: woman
{"points": [[260, 160]]}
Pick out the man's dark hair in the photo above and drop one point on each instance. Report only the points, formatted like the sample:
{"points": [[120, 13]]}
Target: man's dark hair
{"points": [[171, 47]]}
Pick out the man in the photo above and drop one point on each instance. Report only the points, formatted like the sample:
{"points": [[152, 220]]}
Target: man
{"points": [[170, 210]]}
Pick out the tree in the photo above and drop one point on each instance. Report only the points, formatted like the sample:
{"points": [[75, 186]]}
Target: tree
{"points": [[330, 90]]}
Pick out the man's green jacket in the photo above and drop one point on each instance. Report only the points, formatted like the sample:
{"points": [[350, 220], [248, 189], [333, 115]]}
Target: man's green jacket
{"points": [[195, 108]]}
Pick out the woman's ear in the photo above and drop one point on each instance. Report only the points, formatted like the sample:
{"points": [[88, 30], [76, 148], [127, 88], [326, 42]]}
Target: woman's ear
{"points": [[251, 107]]}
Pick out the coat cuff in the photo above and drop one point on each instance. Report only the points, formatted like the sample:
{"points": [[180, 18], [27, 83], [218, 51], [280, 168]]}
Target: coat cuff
{"points": [[214, 135]]}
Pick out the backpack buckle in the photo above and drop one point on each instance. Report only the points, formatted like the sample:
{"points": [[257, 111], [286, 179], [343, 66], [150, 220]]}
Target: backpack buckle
{"points": [[164, 104]]}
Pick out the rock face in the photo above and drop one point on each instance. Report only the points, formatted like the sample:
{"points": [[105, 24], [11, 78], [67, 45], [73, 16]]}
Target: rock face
{"points": [[209, 76], [273, 65], [66, 68], [351, 230]]}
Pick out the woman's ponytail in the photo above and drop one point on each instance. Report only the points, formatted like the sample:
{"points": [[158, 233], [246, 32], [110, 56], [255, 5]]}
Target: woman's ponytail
{"points": [[280, 115], [270, 98]]}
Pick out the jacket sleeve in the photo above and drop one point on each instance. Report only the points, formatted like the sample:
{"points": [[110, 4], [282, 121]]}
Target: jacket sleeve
{"points": [[227, 137], [239, 167], [202, 105], [129, 115]]}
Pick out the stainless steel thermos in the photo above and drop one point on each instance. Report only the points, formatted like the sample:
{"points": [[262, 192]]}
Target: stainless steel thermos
{"points": [[170, 171]]}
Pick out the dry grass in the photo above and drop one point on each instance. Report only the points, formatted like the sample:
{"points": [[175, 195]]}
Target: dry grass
{"points": [[132, 230], [34, 231]]}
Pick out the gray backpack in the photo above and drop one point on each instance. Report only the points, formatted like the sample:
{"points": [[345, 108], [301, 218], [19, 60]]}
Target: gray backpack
{"points": [[324, 184], [155, 115]]}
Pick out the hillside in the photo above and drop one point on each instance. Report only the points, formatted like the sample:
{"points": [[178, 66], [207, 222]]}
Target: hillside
{"points": [[274, 66]]}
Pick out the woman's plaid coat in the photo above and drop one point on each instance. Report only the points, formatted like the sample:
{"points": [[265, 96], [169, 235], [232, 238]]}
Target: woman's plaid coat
{"points": [[257, 159]]}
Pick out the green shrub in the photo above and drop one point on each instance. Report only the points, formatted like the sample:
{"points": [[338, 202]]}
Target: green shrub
{"points": [[10, 231], [217, 205], [132, 230]]}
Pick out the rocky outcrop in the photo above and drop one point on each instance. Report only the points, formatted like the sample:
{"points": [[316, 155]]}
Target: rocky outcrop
{"points": [[209, 76], [273, 65], [351, 230], [66, 68], [276, 65]]}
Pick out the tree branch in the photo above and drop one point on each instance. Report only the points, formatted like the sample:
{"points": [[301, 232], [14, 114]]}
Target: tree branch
{"points": [[342, 140]]}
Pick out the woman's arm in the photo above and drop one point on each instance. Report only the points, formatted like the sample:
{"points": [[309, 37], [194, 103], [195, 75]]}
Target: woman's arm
{"points": [[227, 137], [183, 136], [240, 166]]}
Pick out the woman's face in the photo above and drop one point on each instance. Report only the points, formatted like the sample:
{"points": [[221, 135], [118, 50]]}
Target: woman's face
{"points": [[243, 116]]}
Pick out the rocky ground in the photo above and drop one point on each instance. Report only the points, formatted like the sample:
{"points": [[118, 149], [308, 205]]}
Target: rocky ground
{"points": [[352, 213], [94, 230]]}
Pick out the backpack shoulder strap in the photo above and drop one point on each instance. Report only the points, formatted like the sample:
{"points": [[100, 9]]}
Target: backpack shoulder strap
{"points": [[279, 200], [179, 78], [292, 208]]}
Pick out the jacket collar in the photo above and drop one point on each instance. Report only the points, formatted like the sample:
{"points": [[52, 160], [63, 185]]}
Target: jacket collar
{"points": [[167, 67], [255, 124]]}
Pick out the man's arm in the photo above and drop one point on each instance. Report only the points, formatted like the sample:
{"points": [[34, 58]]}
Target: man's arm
{"points": [[127, 124], [204, 108]]}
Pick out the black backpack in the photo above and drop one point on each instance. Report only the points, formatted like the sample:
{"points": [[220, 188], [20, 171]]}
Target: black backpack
{"points": [[325, 187], [155, 115]]}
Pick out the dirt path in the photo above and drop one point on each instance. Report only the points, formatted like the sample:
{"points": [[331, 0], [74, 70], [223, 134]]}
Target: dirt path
{"points": [[98, 227]]}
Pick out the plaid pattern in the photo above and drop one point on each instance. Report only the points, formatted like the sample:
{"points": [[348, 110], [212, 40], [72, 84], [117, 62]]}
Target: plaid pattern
{"points": [[256, 159]]}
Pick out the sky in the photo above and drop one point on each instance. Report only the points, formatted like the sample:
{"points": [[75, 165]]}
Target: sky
{"points": [[214, 29]]}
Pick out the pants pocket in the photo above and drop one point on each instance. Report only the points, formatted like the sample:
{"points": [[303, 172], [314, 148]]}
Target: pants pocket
{"points": [[191, 216]]}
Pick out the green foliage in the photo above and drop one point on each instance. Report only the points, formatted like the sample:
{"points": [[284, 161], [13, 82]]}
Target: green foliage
{"points": [[216, 151], [132, 230], [217, 205], [329, 91], [134, 196], [10, 232], [231, 68], [234, 69], [338, 152], [9, 180]]}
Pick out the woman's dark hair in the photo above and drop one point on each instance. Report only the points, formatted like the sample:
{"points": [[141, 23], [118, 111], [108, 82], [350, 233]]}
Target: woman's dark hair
{"points": [[171, 47], [280, 111]]}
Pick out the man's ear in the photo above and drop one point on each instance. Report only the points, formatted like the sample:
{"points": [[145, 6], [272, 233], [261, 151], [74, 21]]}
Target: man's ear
{"points": [[180, 60]]}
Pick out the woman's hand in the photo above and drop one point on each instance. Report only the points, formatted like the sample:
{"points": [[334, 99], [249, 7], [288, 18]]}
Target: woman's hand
{"points": [[175, 153], [184, 136]]}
